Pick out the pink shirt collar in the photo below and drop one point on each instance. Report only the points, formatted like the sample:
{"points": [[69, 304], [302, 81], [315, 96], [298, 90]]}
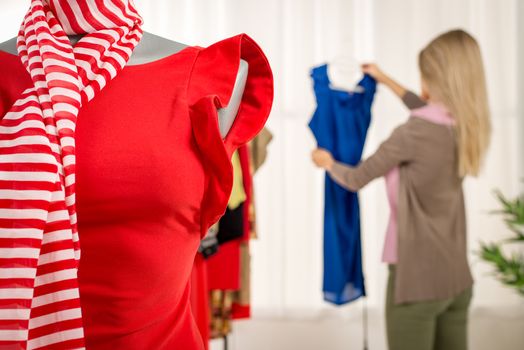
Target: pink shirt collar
{"points": [[435, 113]]}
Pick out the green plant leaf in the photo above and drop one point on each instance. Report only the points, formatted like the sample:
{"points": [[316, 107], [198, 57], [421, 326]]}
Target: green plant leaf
{"points": [[509, 270]]}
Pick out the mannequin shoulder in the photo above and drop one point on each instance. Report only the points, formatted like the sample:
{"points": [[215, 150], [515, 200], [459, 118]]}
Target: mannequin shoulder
{"points": [[9, 46], [150, 48], [153, 47]]}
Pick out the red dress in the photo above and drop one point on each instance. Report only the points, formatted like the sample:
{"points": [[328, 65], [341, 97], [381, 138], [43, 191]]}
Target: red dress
{"points": [[153, 173]]}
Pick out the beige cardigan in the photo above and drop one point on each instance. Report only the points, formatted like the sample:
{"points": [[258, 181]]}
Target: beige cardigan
{"points": [[432, 250]]}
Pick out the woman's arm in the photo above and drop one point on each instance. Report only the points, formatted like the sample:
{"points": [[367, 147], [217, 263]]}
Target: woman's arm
{"points": [[410, 99], [373, 70], [392, 152]]}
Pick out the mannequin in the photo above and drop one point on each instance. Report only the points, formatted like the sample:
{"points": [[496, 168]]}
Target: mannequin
{"points": [[138, 178], [152, 48]]}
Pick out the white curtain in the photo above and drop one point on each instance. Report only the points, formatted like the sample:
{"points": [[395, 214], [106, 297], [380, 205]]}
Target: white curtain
{"points": [[298, 34]]}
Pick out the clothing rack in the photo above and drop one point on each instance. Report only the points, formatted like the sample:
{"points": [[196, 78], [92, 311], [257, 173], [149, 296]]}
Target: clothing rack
{"points": [[365, 324], [225, 338]]}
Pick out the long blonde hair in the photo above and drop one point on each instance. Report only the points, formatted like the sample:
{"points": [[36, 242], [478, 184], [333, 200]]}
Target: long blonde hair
{"points": [[451, 67]]}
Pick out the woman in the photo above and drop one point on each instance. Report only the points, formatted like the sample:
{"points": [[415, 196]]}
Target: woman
{"points": [[425, 161]]}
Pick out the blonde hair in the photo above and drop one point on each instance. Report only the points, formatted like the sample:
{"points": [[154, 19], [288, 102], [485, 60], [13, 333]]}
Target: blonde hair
{"points": [[451, 67]]}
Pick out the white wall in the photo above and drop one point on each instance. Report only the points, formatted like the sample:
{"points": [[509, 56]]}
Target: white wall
{"points": [[520, 14], [11, 13]]}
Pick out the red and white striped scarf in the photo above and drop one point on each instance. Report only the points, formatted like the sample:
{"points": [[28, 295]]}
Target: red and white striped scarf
{"points": [[39, 252]]}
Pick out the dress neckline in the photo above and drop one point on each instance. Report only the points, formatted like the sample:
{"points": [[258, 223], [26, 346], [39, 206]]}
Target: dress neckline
{"points": [[338, 90]]}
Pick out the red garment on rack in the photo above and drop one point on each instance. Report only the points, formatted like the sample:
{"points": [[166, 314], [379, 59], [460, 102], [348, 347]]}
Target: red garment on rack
{"points": [[224, 267], [242, 311], [247, 177]]}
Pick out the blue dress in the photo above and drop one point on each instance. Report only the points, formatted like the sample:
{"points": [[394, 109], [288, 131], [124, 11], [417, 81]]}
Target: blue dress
{"points": [[340, 125]]}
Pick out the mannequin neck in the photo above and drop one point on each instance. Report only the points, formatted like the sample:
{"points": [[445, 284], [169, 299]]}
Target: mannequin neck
{"points": [[75, 38], [150, 48]]}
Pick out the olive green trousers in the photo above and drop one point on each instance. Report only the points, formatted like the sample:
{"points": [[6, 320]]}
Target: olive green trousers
{"points": [[433, 325]]}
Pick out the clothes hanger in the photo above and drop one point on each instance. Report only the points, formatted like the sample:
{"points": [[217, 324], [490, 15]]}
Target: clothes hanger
{"points": [[345, 73]]}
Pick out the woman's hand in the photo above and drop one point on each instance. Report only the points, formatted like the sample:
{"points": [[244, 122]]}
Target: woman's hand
{"points": [[322, 158], [381, 77], [373, 70]]}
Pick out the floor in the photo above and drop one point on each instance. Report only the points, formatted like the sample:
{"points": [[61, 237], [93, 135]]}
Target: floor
{"points": [[501, 329]]}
